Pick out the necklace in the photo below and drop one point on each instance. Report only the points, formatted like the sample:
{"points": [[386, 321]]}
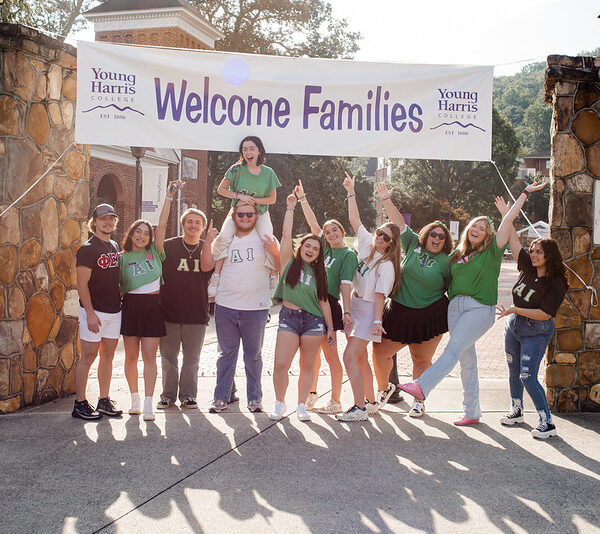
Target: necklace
{"points": [[190, 252], [108, 247]]}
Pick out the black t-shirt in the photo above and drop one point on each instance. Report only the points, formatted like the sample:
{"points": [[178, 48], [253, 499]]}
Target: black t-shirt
{"points": [[533, 292], [102, 257], [183, 295]]}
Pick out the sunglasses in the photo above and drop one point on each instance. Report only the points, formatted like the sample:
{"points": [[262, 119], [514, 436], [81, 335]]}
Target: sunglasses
{"points": [[383, 235], [242, 214], [441, 236]]}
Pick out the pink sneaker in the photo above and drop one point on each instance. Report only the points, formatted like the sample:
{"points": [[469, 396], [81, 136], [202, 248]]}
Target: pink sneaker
{"points": [[414, 389], [464, 421]]}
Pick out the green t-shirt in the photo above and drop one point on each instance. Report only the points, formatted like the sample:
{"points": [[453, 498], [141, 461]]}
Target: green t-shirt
{"points": [[477, 277], [340, 264], [140, 267], [425, 276], [304, 294], [241, 181]]}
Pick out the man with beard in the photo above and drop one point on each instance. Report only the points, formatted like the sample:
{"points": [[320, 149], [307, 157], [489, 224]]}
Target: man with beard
{"points": [[184, 302], [99, 311], [242, 307]]}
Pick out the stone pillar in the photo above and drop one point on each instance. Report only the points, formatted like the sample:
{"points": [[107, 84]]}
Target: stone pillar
{"points": [[573, 371], [40, 235]]}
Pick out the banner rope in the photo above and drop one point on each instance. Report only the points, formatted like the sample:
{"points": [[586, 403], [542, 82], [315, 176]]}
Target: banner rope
{"points": [[594, 292], [38, 180]]}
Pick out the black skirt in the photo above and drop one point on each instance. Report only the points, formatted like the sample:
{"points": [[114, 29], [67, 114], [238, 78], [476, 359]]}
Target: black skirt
{"points": [[415, 325], [142, 316], [336, 313]]}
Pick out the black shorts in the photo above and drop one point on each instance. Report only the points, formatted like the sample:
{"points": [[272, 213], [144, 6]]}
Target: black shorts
{"points": [[415, 325], [336, 313], [142, 316]]}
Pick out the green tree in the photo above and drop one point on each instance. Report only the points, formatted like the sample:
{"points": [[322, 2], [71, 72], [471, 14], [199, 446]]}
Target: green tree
{"points": [[55, 16], [439, 189], [280, 27]]}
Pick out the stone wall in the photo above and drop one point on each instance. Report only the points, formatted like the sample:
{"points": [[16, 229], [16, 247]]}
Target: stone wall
{"points": [[40, 235], [573, 371]]}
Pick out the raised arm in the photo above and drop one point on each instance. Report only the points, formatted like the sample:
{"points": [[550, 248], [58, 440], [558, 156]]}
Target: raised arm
{"points": [[207, 261], [161, 229], [309, 214], [513, 238], [286, 250], [353, 213], [392, 211], [503, 232]]}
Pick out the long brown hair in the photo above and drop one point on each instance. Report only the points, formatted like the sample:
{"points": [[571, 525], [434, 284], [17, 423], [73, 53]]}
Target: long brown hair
{"points": [[318, 265], [464, 247], [393, 254], [262, 154], [126, 243], [555, 267]]}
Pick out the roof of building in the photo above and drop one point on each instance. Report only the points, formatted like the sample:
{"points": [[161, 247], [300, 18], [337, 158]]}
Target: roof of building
{"points": [[111, 6]]}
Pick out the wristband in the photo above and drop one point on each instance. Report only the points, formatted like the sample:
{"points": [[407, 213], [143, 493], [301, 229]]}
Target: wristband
{"points": [[301, 198], [525, 192], [376, 322], [347, 313], [350, 196]]}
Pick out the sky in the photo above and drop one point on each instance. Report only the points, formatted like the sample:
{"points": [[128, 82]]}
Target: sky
{"points": [[507, 34], [476, 32]]}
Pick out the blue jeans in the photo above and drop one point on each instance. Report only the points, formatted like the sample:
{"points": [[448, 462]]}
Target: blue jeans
{"points": [[248, 327], [468, 320], [525, 343]]}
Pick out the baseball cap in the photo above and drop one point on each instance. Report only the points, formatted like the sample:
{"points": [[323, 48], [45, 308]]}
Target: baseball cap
{"points": [[102, 210]]}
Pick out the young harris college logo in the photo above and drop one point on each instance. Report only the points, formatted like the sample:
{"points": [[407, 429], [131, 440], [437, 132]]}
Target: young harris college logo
{"points": [[457, 111], [116, 90]]}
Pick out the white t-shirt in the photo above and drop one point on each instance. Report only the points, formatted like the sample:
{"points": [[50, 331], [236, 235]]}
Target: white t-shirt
{"points": [[368, 278], [244, 283]]}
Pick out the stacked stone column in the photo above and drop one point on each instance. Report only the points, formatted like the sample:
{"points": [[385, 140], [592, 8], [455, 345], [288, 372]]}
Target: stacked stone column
{"points": [[573, 370], [41, 234]]}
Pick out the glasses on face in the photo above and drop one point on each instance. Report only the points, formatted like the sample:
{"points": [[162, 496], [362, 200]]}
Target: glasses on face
{"points": [[383, 235], [441, 236], [242, 214]]}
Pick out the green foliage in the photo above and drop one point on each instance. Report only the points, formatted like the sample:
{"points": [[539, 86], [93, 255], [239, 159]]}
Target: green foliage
{"points": [[280, 27], [56, 16], [322, 180], [459, 190]]}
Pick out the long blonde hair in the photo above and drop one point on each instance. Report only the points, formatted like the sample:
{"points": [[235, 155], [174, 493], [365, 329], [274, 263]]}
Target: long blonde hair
{"points": [[464, 248], [392, 254]]}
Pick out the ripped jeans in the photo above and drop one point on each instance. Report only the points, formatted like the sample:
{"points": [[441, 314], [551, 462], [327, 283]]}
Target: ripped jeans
{"points": [[525, 343]]}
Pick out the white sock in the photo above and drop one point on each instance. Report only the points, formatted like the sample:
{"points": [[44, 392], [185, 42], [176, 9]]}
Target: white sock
{"points": [[135, 397]]}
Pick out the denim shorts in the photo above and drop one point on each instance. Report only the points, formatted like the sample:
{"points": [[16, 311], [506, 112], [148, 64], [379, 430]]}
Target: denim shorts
{"points": [[300, 322]]}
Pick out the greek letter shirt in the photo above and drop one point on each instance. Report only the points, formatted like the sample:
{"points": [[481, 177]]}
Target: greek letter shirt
{"points": [[303, 294], [242, 181], [140, 267]]}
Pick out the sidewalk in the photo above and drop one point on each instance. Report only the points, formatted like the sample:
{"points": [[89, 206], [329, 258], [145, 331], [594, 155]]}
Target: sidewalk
{"points": [[195, 472]]}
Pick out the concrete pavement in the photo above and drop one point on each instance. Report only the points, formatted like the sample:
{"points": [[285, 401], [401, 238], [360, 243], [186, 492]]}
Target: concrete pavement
{"points": [[191, 471]]}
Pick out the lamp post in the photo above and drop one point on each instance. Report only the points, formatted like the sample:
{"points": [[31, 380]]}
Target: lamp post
{"points": [[138, 153]]}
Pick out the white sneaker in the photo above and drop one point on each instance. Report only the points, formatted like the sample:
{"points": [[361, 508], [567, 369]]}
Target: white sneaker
{"points": [[213, 285], [544, 430], [311, 400], [372, 407], [331, 407], [353, 414], [417, 410], [135, 405], [384, 396], [301, 412], [148, 413], [278, 411]]}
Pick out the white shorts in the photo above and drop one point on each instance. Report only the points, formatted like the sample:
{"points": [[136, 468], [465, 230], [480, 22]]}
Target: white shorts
{"points": [[363, 314], [110, 327]]}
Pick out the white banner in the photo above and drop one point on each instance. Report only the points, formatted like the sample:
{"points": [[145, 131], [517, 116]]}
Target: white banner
{"points": [[210, 100], [154, 191]]}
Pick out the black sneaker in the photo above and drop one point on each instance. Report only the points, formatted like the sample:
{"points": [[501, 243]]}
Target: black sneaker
{"points": [[544, 430], [189, 403], [164, 403], [107, 407], [514, 417], [233, 398], [83, 410]]}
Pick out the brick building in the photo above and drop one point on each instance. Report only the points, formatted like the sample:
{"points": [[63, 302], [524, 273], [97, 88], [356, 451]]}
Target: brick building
{"points": [[169, 23]]}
